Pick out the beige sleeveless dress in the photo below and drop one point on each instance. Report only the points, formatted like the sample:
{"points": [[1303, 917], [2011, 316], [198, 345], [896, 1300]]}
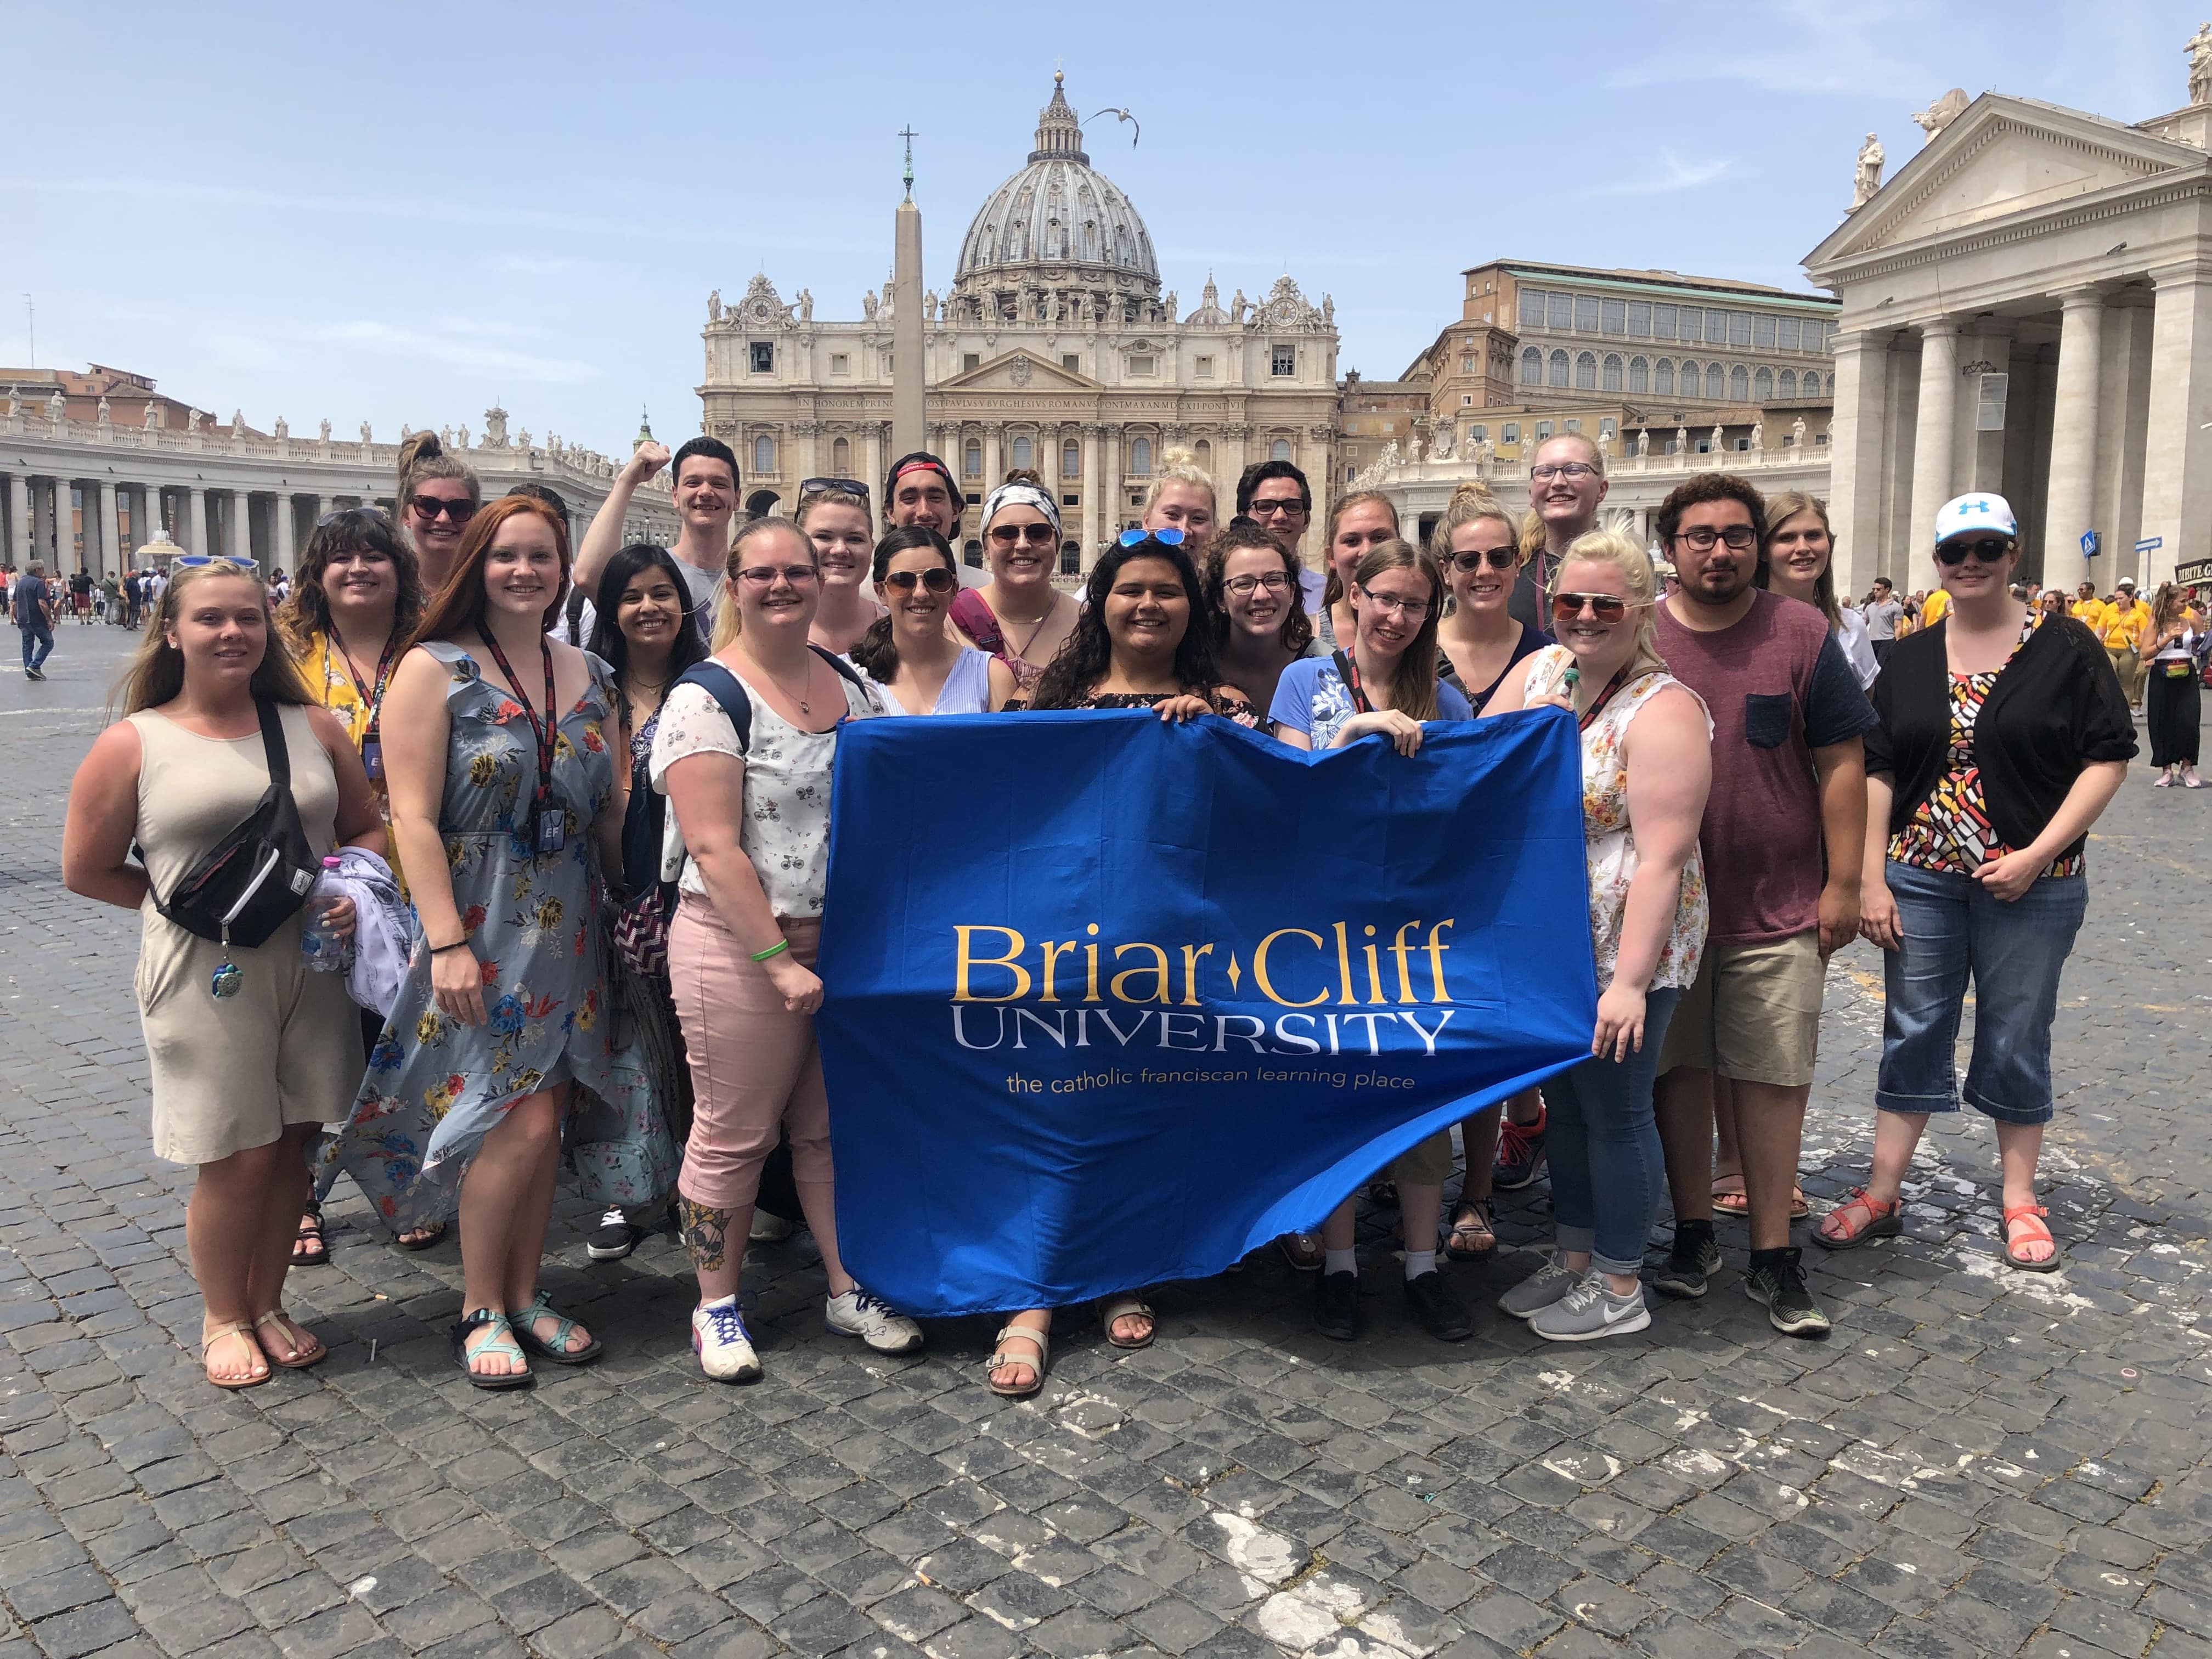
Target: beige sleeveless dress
{"points": [[230, 1074]]}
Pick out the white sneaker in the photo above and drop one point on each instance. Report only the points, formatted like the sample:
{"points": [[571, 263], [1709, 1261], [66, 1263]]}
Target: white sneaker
{"points": [[770, 1229], [856, 1313], [720, 1339]]}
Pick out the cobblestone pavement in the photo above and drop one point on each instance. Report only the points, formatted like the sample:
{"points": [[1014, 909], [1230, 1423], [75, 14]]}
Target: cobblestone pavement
{"points": [[1979, 1461]]}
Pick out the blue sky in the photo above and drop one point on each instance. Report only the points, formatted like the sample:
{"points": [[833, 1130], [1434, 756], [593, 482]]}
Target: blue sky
{"points": [[403, 215]]}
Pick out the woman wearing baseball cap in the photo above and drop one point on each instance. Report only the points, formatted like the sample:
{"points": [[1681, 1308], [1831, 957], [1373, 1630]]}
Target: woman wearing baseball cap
{"points": [[2003, 734]]}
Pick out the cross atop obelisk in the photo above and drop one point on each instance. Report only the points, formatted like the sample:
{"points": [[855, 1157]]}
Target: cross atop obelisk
{"points": [[907, 133], [910, 369]]}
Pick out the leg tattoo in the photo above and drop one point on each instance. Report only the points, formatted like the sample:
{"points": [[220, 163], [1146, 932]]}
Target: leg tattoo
{"points": [[706, 1234]]}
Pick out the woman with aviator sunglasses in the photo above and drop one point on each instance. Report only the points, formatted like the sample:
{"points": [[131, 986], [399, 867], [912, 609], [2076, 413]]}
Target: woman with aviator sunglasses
{"points": [[914, 663], [1019, 616], [439, 493], [2003, 734]]}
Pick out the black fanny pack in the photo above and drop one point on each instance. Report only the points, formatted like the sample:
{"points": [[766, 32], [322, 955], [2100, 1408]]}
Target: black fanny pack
{"points": [[255, 879]]}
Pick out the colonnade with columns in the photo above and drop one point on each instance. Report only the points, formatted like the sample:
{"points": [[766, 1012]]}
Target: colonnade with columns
{"points": [[96, 525]]}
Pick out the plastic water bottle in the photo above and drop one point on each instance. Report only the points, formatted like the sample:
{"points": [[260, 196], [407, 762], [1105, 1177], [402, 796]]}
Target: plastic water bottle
{"points": [[326, 952]]}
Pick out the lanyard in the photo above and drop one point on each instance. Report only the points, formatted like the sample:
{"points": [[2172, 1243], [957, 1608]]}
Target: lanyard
{"points": [[1598, 703], [1348, 672], [546, 732], [372, 702]]}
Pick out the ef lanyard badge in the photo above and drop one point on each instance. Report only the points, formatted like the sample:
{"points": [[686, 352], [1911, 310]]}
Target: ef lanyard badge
{"points": [[549, 820], [372, 743]]}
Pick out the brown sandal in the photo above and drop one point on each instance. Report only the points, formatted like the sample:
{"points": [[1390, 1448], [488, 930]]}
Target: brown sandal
{"points": [[2031, 1229], [244, 1332], [304, 1354], [1873, 1219], [1470, 1220], [1003, 1360], [1732, 1200]]}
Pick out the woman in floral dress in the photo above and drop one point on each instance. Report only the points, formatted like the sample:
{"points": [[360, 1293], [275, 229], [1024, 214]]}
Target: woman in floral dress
{"points": [[506, 808]]}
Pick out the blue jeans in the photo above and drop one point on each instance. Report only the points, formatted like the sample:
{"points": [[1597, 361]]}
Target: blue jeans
{"points": [[1951, 927], [1607, 1169], [43, 639]]}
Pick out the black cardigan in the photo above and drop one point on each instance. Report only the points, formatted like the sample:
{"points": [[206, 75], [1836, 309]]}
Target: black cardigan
{"points": [[2056, 708]]}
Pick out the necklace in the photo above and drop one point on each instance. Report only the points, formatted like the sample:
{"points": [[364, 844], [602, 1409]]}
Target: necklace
{"points": [[1023, 650], [806, 679]]}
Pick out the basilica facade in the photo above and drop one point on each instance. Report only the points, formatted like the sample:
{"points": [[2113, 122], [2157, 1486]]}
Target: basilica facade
{"points": [[1055, 349]]}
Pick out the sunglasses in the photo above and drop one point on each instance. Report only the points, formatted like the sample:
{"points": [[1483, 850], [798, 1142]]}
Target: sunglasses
{"points": [[1169, 537], [1498, 558], [429, 506], [1989, 549], [816, 486], [1034, 535], [1606, 607], [938, 581]]}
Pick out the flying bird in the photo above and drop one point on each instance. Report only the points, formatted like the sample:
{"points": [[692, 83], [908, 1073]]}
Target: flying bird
{"points": [[1137, 131]]}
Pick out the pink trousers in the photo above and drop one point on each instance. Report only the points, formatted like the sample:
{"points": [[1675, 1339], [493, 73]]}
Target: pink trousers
{"points": [[755, 1073]]}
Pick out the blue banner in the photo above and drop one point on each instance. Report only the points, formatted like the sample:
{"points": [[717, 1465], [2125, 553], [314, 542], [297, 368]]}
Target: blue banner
{"points": [[1111, 1002]]}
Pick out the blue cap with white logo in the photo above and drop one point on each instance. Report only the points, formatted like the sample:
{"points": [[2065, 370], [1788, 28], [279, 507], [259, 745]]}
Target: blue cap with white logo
{"points": [[1980, 512]]}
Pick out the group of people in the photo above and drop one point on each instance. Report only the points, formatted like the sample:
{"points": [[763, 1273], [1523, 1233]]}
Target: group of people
{"points": [[36, 603], [608, 817]]}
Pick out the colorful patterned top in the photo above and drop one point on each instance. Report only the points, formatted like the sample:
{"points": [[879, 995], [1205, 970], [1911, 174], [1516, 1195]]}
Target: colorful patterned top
{"points": [[1950, 831], [324, 666]]}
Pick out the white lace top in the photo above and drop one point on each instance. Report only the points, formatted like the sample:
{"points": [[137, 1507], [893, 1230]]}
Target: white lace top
{"points": [[1610, 838], [786, 832]]}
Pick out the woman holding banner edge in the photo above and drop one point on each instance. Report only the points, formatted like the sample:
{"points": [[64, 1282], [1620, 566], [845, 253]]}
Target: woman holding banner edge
{"points": [[1647, 768], [1384, 685]]}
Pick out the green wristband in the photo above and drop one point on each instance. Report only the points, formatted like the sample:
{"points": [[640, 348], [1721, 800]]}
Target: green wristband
{"points": [[775, 950]]}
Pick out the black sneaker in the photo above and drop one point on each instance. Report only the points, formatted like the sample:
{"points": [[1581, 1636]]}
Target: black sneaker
{"points": [[33, 674], [1336, 1305], [615, 1238], [1692, 1263], [1442, 1314], [1520, 1153], [1777, 1279]]}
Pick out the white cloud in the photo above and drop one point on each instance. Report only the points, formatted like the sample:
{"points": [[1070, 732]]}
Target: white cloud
{"points": [[1673, 173]]}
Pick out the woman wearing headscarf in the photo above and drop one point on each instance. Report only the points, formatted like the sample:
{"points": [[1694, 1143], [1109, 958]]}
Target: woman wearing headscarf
{"points": [[1019, 615]]}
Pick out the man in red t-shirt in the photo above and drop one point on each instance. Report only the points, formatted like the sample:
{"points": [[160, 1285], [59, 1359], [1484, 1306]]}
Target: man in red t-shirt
{"points": [[1788, 787]]}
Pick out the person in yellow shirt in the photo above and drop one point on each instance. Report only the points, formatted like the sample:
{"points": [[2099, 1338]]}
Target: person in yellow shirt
{"points": [[1936, 606], [2127, 618], [2089, 610]]}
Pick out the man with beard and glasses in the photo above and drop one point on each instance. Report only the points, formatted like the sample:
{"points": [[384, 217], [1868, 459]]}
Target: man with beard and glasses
{"points": [[1789, 790], [704, 478]]}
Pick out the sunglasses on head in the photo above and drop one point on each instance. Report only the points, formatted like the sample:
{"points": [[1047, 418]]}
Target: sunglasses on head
{"points": [[1169, 537], [366, 511], [1498, 558], [816, 486], [1989, 549], [429, 506], [1606, 607]]}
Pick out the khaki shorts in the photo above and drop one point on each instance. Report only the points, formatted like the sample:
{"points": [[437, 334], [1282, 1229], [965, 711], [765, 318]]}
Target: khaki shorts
{"points": [[1754, 1014], [1425, 1164]]}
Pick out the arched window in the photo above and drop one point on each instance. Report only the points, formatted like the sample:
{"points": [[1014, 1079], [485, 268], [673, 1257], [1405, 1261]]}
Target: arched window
{"points": [[1788, 384], [1532, 367], [1140, 458], [1613, 372], [1024, 451], [1280, 450], [1716, 382], [1689, 383], [1071, 460], [1762, 385], [1639, 375], [1663, 381], [1071, 558], [1586, 372], [1740, 384], [1558, 375], [840, 456], [971, 458], [763, 453], [1203, 451]]}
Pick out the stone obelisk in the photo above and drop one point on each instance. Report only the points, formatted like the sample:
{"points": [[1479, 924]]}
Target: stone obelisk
{"points": [[909, 372]]}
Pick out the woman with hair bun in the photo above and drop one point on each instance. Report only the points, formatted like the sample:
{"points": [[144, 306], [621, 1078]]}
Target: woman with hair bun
{"points": [[1181, 497], [1019, 616], [914, 663], [439, 493]]}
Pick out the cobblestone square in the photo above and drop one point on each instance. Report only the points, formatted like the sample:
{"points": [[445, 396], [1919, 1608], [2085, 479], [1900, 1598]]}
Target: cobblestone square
{"points": [[1979, 1461]]}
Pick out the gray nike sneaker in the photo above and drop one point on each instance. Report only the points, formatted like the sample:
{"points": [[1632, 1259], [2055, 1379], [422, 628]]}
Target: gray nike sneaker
{"points": [[1591, 1310], [1539, 1290]]}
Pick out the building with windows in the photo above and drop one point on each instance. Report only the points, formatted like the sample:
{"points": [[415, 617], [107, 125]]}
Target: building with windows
{"points": [[1371, 414], [1055, 349], [1544, 349]]}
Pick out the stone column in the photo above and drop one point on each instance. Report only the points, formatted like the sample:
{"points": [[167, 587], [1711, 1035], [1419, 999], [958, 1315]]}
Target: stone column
{"points": [[1934, 429], [19, 520], [2070, 500], [1110, 509], [283, 530], [323, 507], [1858, 442], [110, 534], [2177, 468], [1090, 488], [191, 534], [237, 528], [992, 468], [64, 527], [875, 472]]}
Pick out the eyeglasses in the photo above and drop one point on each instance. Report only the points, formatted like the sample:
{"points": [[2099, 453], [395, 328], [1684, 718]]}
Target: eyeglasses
{"points": [[1606, 607], [1414, 610], [1989, 549], [1289, 506], [1168, 536], [764, 575], [1275, 581], [1737, 536], [939, 580], [1570, 470], [816, 486], [365, 511], [1034, 535], [1498, 558], [429, 506]]}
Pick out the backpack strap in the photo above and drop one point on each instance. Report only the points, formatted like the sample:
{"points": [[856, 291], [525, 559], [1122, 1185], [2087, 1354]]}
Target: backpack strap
{"points": [[273, 746], [726, 689], [574, 608], [845, 671]]}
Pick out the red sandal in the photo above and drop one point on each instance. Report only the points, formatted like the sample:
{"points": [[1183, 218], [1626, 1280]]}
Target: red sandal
{"points": [[1874, 1219], [2033, 1229]]}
